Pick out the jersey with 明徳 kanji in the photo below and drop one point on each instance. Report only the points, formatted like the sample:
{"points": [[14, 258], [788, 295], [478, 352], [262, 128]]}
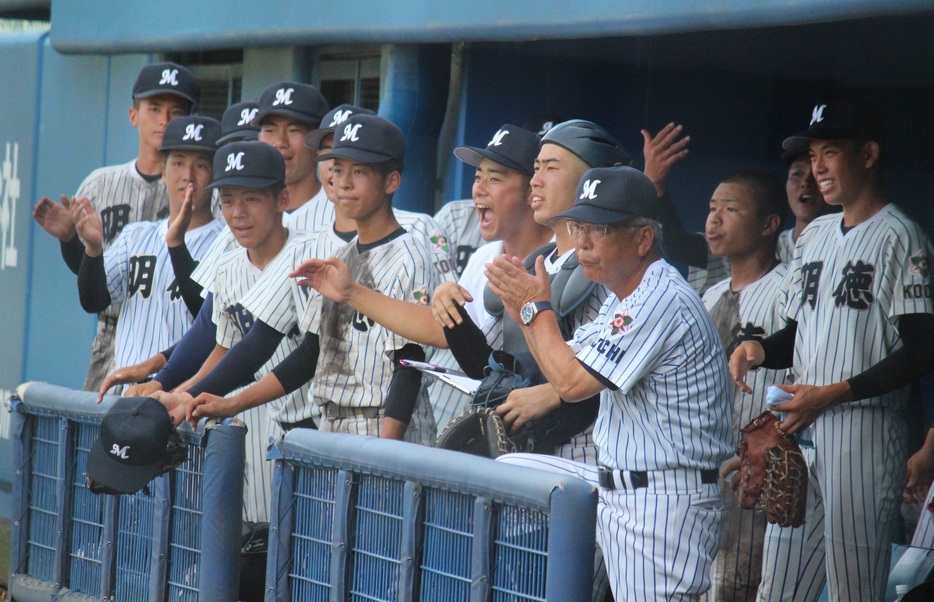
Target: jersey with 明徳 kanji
{"points": [[153, 315], [846, 292]]}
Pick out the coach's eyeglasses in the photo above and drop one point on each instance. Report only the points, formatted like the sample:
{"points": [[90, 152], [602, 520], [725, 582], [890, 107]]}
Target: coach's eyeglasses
{"points": [[594, 231]]}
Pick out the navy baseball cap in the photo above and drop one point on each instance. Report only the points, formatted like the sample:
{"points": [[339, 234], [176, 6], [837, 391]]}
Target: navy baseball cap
{"points": [[248, 164], [367, 139], [592, 143], [610, 195], [334, 118], [237, 122], [191, 132], [167, 78], [132, 448], [511, 146], [844, 119], [290, 99]]}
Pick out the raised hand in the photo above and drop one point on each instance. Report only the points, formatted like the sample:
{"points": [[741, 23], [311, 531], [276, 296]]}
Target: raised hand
{"points": [[175, 235], [330, 277], [54, 218], [661, 151], [445, 301], [89, 226]]}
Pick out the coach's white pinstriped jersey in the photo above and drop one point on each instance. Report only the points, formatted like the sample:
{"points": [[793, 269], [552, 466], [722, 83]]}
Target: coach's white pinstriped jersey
{"points": [[670, 403], [203, 274], [751, 314], [355, 364], [153, 315], [319, 215], [235, 276], [462, 224], [846, 292], [785, 250]]}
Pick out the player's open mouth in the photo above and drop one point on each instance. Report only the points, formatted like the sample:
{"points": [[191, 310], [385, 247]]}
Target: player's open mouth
{"points": [[825, 184], [485, 214], [804, 199], [536, 202]]}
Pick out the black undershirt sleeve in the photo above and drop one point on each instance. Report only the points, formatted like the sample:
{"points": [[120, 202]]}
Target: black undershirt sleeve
{"points": [[779, 348], [167, 353], [405, 384], [903, 366], [300, 366], [72, 252], [239, 365], [680, 246], [183, 264], [92, 284], [469, 346], [192, 350]]}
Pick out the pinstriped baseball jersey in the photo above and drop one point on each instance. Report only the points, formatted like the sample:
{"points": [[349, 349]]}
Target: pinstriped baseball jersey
{"points": [[752, 313], [669, 403], [203, 274], [235, 276], [355, 363], [852, 287], [316, 214], [785, 250], [276, 299], [758, 316], [460, 220], [700, 279], [121, 196], [319, 215], [140, 278]]}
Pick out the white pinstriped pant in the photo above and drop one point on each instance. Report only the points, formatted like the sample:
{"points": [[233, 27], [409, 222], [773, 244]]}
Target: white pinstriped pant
{"points": [[857, 473], [924, 532], [658, 542]]}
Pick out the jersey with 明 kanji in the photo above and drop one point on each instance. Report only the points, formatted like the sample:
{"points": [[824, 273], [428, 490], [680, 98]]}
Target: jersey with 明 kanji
{"points": [[235, 276], [355, 363], [153, 315], [121, 196], [846, 292]]}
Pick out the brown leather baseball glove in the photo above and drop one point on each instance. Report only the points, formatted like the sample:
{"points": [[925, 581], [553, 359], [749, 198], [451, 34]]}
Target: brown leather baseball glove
{"points": [[480, 432], [773, 473]]}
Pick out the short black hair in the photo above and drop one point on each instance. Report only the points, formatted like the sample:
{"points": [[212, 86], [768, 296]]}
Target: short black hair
{"points": [[387, 167], [768, 192]]}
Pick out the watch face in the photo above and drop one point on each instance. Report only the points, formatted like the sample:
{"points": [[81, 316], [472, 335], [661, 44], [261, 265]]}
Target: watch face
{"points": [[527, 313]]}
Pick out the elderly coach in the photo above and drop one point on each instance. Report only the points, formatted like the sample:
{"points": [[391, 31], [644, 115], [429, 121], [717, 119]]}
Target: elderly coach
{"points": [[656, 359]]}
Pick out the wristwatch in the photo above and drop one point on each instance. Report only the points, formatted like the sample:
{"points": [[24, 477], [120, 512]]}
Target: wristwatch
{"points": [[532, 309]]}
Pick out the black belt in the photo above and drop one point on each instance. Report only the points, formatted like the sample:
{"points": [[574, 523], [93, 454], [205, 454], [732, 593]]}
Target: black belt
{"points": [[640, 478], [307, 423]]}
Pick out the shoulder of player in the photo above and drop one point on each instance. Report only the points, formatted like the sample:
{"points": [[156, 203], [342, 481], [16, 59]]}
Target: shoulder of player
{"points": [[716, 291], [895, 222], [454, 210]]}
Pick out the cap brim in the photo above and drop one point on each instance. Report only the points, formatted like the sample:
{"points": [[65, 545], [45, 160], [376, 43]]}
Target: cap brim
{"points": [[818, 133], [589, 214], [238, 136], [117, 476], [472, 155], [190, 147], [244, 182], [313, 138], [303, 117], [355, 154], [150, 93]]}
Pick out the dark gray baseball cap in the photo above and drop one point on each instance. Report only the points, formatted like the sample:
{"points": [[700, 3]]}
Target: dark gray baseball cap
{"points": [[167, 78], [367, 139], [302, 102], [237, 122], [191, 132], [333, 119], [248, 164], [592, 143], [512, 146], [132, 448], [610, 195]]}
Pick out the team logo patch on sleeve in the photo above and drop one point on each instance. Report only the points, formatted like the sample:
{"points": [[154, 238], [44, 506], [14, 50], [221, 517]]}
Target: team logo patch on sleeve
{"points": [[919, 265], [621, 323], [439, 242], [420, 295]]}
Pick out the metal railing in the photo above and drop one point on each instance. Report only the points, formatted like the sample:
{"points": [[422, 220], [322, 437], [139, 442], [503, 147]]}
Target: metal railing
{"points": [[179, 542]]}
